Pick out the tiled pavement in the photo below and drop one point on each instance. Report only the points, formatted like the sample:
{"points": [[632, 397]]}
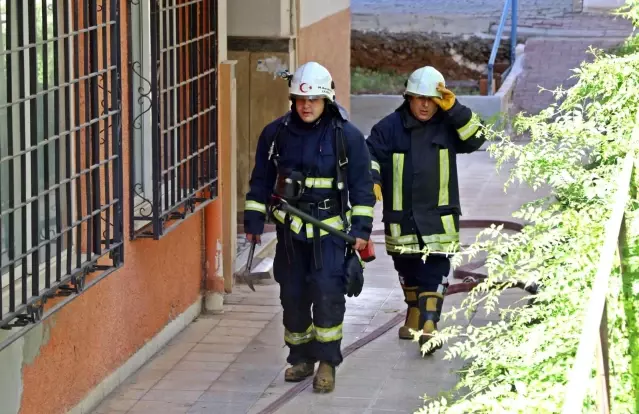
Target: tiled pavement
{"points": [[233, 363]]}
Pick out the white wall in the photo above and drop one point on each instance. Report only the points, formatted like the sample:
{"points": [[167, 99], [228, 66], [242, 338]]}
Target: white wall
{"points": [[222, 30], [312, 11], [602, 4], [259, 18]]}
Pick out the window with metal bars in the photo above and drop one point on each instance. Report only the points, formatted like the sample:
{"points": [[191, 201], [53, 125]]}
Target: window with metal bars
{"points": [[60, 154], [174, 112]]}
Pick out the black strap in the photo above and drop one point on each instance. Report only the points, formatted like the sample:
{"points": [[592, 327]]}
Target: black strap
{"points": [[317, 248], [330, 205], [341, 181], [288, 239], [341, 184], [274, 150]]}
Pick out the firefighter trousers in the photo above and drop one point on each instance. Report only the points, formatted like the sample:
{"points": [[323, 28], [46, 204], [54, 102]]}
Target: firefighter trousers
{"points": [[313, 299], [423, 289], [425, 276]]}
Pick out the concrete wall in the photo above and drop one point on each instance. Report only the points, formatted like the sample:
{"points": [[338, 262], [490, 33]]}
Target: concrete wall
{"points": [[263, 18], [318, 30], [325, 37], [591, 5], [222, 29], [59, 362]]}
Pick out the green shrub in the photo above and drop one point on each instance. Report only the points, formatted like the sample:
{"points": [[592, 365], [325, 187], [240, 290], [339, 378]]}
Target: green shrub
{"points": [[367, 81], [521, 364]]}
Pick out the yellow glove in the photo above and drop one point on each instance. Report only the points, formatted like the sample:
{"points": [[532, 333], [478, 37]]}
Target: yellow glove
{"points": [[447, 100], [377, 189]]}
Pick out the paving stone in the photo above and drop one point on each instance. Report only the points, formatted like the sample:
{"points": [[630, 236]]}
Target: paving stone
{"points": [[198, 366], [155, 407], [219, 408], [145, 378], [398, 404], [185, 384], [337, 402], [115, 405], [209, 357], [184, 397], [230, 396], [219, 348], [226, 339]]}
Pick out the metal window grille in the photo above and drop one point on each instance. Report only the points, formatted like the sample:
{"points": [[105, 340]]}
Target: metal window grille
{"points": [[60, 154], [178, 108]]}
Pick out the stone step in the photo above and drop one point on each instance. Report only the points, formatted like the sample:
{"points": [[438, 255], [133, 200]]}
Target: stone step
{"points": [[262, 260], [263, 267], [265, 249]]}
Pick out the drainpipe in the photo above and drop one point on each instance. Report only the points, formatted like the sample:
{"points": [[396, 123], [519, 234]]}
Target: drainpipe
{"points": [[213, 280], [220, 216]]}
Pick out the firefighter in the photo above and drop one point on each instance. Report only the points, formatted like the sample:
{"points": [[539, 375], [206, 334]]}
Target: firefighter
{"points": [[414, 164], [314, 146]]}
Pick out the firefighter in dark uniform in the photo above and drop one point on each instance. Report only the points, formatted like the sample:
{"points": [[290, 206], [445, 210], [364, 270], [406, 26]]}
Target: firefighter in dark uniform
{"points": [[316, 146], [414, 164]]}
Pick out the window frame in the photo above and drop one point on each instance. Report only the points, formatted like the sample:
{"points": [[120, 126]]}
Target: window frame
{"points": [[149, 216], [55, 275]]}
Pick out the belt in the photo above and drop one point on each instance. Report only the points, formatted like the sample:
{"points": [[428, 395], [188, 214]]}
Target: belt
{"points": [[330, 205]]}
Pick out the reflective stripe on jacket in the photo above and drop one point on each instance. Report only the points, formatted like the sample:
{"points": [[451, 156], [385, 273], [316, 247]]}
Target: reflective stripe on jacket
{"points": [[416, 165], [310, 149]]}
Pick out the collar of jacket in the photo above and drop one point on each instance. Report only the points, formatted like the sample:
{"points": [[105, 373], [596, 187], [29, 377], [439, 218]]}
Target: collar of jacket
{"points": [[410, 122]]}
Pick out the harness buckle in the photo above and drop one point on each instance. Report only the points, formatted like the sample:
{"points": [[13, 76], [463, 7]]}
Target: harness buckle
{"points": [[345, 162], [324, 204]]}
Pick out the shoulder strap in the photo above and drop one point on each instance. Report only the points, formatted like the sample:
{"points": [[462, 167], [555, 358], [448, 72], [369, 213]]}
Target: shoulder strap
{"points": [[341, 165], [274, 150]]}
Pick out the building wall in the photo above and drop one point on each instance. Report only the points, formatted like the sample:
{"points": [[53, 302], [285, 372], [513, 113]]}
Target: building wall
{"points": [[262, 18], [602, 4], [322, 30], [325, 36], [52, 368]]}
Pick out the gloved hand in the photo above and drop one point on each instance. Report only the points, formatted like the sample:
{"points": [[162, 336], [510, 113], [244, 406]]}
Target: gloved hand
{"points": [[447, 100], [377, 189], [354, 275]]}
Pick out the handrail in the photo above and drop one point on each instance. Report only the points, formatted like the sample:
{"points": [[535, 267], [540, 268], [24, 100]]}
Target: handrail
{"points": [[594, 336], [498, 35]]}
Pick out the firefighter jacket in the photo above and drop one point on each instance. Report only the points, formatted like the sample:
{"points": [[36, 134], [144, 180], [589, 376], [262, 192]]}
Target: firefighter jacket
{"points": [[416, 165], [311, 149]]}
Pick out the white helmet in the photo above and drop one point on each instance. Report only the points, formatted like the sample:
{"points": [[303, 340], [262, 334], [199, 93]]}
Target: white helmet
{"points": [[423, 82], [312, 81]]}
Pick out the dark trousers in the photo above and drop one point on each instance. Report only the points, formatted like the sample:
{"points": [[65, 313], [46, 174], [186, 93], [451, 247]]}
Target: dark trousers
{"points": [[423, 288], [426, 276], [313, 299]]}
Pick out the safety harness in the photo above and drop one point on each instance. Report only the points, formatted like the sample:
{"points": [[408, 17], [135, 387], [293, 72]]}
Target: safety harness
{"points": [[340, 184]]}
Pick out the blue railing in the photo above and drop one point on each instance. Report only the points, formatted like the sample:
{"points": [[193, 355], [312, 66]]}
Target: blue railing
{"points": [[508, 5]]}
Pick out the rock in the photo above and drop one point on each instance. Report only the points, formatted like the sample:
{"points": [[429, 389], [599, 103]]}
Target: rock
{"points": [[458, 58]]}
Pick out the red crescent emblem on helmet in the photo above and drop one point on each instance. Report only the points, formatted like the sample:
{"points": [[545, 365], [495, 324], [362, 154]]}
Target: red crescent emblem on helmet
{"points": [[302, 86]]}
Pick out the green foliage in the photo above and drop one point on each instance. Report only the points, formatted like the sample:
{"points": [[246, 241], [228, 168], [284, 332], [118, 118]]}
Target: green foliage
{"points": [[364, 81], [631, 45], [367, 81], [521, 364]]}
